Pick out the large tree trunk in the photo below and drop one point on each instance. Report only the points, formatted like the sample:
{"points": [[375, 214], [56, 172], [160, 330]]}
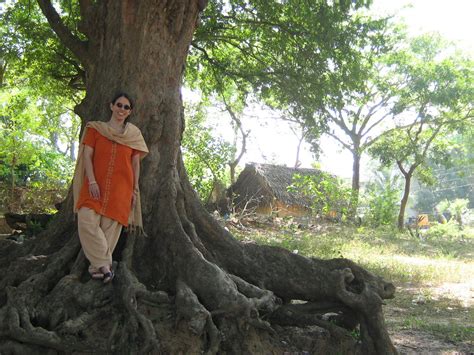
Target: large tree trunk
{"points": [[188, 286]]}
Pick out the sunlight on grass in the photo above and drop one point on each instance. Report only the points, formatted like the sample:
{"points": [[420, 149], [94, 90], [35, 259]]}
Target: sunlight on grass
{"points": [[433, 275], [402, 268], [397, 257]]}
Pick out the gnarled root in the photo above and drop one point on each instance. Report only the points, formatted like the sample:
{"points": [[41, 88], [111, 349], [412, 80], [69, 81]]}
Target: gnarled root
{"points": [[357, 292], [133, 327], [197, 317], [368, 303]]}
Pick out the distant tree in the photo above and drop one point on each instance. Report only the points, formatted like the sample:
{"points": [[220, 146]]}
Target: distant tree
{"points": [[270, 52], [358, 115], [453, 180], [436, 100]]}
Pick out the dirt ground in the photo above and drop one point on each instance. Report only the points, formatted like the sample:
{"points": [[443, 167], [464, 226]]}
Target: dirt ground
{"points": [[409, 342], [449, 307]]}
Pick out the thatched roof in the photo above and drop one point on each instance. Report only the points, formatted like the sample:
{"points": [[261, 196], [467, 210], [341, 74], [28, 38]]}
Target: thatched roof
{"points": [[267, 182]]}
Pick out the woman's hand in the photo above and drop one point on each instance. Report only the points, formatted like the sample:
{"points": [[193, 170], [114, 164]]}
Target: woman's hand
{"points": [[94, 190]]}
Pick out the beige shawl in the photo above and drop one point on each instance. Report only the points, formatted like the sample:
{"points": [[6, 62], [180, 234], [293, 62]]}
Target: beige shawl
{"points": [[131, 137]]}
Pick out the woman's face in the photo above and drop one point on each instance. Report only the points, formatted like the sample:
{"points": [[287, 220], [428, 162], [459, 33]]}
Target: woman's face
{"points": [[121, 109]]}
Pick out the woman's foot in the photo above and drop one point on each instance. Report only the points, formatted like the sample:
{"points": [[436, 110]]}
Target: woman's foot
{"points": [[108, 274], [97, 275], [108, 277]]}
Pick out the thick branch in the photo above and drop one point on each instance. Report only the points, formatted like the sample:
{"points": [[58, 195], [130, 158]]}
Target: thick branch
{"points": [[78, 47], [344, 144], [238, 123]]}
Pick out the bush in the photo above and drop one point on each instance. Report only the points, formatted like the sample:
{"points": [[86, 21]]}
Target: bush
{"points": [[457, 208], [329, 195], [381, 198], [448, 231]]}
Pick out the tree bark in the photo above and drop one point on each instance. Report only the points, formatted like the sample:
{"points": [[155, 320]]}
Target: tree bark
{"points": [[189, 286], [355, 180], [406, 193]]}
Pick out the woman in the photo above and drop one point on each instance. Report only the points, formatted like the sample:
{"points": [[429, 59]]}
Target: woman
{"points": [[106, 192]]}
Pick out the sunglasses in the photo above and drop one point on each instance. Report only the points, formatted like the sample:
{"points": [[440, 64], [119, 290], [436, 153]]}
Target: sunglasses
{"points": [[125, 107]]}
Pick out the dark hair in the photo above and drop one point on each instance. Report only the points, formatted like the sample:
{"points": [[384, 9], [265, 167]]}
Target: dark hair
{"points": [[122, 94]]}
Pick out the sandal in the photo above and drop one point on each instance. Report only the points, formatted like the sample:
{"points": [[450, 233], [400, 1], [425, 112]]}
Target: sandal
{"points": [[108, 277], [97, 275]]}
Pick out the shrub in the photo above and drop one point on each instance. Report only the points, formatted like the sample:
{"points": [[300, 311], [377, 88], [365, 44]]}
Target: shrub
{"points": [[381, 198], [329, 195]]}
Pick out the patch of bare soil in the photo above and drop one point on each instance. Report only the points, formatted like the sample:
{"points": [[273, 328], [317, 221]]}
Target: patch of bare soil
{"points": [[428, 324], [410, 342]]}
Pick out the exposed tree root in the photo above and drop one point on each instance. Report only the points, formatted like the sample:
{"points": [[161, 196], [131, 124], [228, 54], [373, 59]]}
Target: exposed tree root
{"points": [[338, 320], [293, 277], [133, 327], [375, 338], [198, 318], [16, 325]]}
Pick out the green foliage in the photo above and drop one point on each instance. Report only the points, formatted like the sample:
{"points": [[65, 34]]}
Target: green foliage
{"points": [[205, 156], [34, 53], [382, 196], [293, 55], [38, 88], [456, 208], [435, 100], [35, 172], [329, 195], [444, 231], [453, 181]]}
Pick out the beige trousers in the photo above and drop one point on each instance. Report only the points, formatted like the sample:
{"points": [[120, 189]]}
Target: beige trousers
{"points": [[99, 236]]}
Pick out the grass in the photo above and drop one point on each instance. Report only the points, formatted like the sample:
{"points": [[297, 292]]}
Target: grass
{"points": [[433, 274]]}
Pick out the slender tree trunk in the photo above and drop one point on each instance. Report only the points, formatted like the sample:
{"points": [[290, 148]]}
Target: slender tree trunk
{"points": [[237, 127], [12, 182], [355, 180], [298, 150], [403, 203], [72, 150]]}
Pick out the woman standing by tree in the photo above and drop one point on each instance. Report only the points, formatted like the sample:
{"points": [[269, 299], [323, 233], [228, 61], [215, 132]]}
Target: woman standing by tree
{"points": [[106, 191]]}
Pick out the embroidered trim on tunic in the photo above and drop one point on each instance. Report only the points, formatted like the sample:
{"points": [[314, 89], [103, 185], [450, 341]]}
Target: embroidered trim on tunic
{"points": [[108, 178]]}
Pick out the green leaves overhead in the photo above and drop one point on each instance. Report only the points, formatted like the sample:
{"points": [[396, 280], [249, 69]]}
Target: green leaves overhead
{"points": [[438, 79], [294, 54], [33, 52]]}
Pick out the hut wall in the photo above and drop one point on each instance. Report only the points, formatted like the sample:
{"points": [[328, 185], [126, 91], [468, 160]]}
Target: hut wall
{"points": [[284, 210], [264, 210]]}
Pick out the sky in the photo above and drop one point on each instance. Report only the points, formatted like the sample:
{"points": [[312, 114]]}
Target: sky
{"points": [[276, 143]]}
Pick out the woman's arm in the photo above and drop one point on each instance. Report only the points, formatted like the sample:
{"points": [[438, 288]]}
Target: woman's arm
{"points": [[136, 176], [89, 167]]}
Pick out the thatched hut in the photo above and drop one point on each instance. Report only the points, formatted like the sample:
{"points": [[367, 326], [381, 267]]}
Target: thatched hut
{"points": [[264, 187]]}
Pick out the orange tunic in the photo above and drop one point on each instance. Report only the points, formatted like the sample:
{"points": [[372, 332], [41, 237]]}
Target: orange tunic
{"points": [[113, 172]]}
